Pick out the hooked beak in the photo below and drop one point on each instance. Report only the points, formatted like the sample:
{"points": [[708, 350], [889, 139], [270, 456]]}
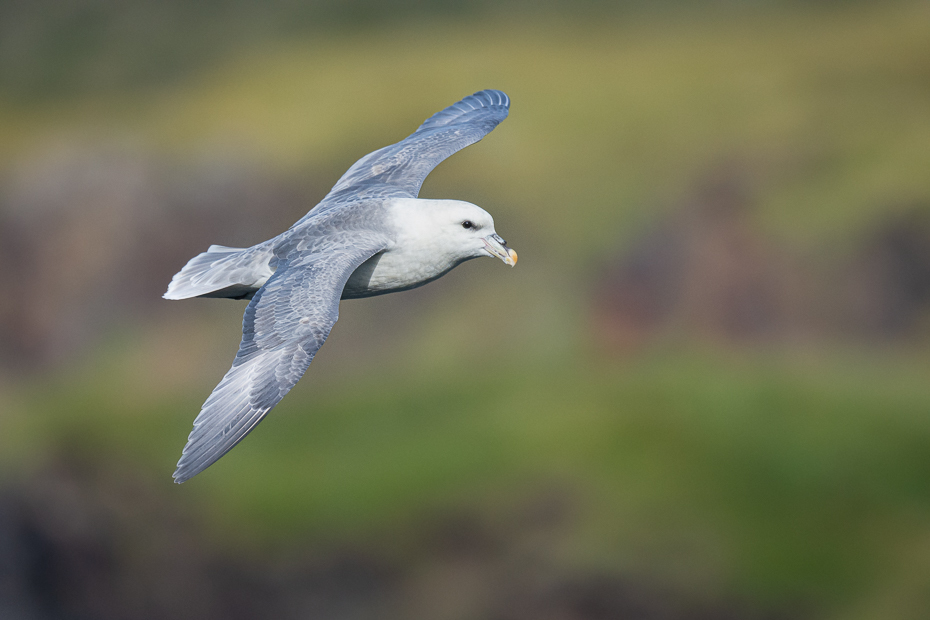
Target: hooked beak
{"points": [[498, 247]]}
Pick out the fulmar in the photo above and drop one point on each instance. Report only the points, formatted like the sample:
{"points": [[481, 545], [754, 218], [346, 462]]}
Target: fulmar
{"points": [[370, 235]]}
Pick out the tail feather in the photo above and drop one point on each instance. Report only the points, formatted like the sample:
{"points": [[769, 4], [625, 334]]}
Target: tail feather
{"points": [[223, 272]]}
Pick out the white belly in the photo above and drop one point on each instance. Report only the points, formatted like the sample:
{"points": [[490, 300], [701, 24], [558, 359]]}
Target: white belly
{"points": [[393, 271]]}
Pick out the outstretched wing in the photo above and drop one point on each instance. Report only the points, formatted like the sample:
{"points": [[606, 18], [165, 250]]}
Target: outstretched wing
{"points": [[401, 168], [284, 326]]}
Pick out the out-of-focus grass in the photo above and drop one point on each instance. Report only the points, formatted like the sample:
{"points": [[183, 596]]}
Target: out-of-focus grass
{"points": [[785, 481]]}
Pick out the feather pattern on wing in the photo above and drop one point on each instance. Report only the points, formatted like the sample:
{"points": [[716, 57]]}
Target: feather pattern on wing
{"points": [[284, 325], [401, 168]]}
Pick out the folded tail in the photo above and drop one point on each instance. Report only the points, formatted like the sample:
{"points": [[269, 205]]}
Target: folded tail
{"points": [[234, 273]]}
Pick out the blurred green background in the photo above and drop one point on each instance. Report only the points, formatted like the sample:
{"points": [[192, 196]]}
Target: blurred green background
{"points": [[702, 393]]}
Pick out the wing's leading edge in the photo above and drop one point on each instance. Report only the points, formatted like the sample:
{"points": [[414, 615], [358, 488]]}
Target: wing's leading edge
{"points": [[401, 168]]}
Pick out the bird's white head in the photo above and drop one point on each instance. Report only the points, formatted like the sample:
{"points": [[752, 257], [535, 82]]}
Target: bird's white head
{"points": [[455, 230]]}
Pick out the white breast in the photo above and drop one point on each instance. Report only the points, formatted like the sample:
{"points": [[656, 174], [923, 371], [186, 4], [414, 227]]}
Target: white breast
{"points": [[419, 255], [389, 272]]}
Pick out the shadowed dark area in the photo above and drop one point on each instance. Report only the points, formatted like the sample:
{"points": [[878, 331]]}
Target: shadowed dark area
{"points": [[64, 538]]}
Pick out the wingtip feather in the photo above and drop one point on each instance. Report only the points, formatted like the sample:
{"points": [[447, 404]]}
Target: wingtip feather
{"points": [[483, 99]]}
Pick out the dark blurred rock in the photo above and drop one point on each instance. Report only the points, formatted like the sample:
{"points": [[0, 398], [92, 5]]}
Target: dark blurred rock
{"points": [[598, 597], [80, 543], [709, 273], [84, 541], [706, 272], [889, 278]]}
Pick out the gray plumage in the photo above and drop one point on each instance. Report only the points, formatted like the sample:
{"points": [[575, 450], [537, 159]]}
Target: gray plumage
{"points": [[369, 236]]}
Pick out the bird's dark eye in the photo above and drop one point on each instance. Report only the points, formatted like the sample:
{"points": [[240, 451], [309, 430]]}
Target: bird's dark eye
{"points": [[468, 224]]}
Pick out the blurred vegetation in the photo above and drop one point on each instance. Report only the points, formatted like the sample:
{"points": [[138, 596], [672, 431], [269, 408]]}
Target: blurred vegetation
{"points": [[787, 473], [55, 49]]}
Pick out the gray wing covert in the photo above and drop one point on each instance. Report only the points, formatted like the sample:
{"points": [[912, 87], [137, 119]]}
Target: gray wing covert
{"points": [[284, 326], [402, 167]]}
